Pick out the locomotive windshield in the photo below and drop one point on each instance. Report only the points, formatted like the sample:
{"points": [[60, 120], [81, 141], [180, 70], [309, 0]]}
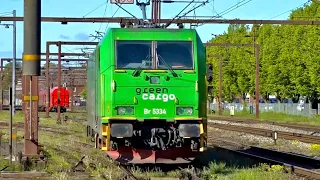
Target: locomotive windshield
{"points": [[178, 55], [138, 55], [133, 54]]}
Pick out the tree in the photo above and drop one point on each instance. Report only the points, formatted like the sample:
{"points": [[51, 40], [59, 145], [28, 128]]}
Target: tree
{"points": [[84, 94], [289, 58], [7, 74]]}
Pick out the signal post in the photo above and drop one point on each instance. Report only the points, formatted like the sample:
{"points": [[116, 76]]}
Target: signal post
{"points": [[220, 81], [257, 55]]}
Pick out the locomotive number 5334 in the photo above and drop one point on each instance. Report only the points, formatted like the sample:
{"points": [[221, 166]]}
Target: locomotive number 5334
{"points": [[155, 111], [159, 111]]}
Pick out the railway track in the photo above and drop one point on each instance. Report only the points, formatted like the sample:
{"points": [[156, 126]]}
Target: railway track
{"points": [[295, 163], [127, 173], [61, 130], [269, 133], [270, 122]]}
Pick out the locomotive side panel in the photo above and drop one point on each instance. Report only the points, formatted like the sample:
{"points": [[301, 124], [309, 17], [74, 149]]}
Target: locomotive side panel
{"points": [[202, 95], [91, 97], [97, 88]]}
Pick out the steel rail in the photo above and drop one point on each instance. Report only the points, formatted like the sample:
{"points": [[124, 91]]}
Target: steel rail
{"points": [[294, 163], [268, 133], [270, 122]]}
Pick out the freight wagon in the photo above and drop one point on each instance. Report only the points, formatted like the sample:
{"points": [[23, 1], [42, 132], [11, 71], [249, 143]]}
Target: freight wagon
{"points": [[53, 105]]}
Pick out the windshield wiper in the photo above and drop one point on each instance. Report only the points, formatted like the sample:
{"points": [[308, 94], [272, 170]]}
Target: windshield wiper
{"points": [[164, 62], [138, 70]]}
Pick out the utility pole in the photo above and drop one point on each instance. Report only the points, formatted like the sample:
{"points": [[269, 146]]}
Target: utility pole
{"points": [[31, 69], [14, 65], [12, 89], [59, 82], [10, 126], [256, 52]]}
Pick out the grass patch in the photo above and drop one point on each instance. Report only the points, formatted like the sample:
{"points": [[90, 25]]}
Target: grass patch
{"points": [[221, 172], [315, 148], [273, 116], [64, 151]]}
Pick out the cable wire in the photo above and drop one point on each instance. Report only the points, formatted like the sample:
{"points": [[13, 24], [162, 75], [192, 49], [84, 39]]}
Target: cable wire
{"points": [[291, 9], [95, 8], [237, 6], [230, 9], [105, 10]]}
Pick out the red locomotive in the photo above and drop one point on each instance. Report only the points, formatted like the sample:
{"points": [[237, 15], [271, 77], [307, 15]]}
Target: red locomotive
{"points": [[64, 100]]}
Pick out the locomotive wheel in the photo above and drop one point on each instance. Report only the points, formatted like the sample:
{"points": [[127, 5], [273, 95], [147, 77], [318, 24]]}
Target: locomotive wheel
{"points": [[92, 135], [88, 131], [96, 141], [93, 139]]}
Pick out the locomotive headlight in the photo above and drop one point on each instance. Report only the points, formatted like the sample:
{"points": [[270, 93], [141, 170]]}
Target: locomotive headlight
{"points": [[124, 110], [189, 111], [180, 111], [184, 111], [121, 110], [154, 79], [129, 110]]}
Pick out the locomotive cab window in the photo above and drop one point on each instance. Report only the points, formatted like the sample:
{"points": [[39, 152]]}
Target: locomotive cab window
{"points": [[133, 54], [177, 55]]}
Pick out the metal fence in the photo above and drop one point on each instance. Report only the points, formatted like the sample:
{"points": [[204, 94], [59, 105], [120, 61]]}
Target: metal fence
{"points": [[287, 108]]}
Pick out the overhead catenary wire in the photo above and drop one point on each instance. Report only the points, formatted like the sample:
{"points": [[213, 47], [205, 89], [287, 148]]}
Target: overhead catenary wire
{"points": [[104, 13], [230, 9], [168, 24], [303, 4], [186, 13], [96, 8], [205, 6], [126, 11], [112, 16]]}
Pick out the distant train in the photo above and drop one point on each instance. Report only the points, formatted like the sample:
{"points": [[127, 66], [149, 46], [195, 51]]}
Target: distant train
{"points": [[53, 105]]}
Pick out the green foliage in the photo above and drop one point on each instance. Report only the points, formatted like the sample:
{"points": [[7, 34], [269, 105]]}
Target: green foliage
{"points": [[84, 93], [7, 74], [220, 171], [289, 58]]}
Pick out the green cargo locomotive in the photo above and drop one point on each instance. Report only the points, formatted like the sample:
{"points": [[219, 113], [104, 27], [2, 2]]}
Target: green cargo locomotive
{"points": [[146, 96]]}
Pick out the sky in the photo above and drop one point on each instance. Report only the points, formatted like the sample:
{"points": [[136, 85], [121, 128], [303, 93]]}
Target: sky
{"points": [[50, 31]]}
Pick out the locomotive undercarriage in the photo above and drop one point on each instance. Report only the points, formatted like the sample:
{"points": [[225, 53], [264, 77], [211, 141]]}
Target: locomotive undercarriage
{"points": [[151, 141], [155, 135]]}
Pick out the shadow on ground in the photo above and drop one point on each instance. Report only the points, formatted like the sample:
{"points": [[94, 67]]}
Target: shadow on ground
{"points": [[212, 154]]}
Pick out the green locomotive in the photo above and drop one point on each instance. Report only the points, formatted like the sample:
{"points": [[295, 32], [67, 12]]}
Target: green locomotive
{"points": [[147, 95]]}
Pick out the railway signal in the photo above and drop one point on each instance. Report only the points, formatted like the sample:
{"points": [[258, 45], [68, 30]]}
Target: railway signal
{"points": [[220, 81], [209, 72]]}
